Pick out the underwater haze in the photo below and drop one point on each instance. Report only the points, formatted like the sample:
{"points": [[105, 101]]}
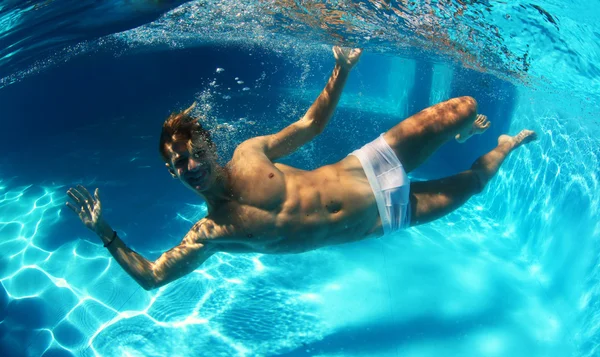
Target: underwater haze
{"points": [[85, 87]]}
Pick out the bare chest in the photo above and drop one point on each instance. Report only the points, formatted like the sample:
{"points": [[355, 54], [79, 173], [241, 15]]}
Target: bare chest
{"points": [[285, 210]]}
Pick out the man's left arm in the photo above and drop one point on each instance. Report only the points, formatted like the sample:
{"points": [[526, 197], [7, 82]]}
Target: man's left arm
{"points": [[316, 118], [175, 263]]}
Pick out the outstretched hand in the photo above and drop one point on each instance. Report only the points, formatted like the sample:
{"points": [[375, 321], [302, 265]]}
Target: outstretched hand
{"points": [[88, 208], [346, 57]]}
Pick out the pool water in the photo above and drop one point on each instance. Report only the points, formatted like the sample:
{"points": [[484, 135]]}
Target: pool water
{"points": [[512, 273]]}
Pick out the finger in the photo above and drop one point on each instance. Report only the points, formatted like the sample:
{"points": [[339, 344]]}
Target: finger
{"points": [[86, 193], [85, 201], [89, 206], [84, 214], [89, 201], [336, 51], [489, 123], [78, 196], [73, 196], [97, 197], [73, 208]]}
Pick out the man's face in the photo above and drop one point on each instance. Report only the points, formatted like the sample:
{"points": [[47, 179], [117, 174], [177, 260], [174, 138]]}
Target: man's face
{"points": [[195, 166]]}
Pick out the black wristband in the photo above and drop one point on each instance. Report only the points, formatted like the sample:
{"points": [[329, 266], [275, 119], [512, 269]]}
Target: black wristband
{"points": [[112, 240]]}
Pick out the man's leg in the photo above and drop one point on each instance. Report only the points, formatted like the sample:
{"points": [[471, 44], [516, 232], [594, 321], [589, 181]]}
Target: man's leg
{"points": [[431, 200], [417, 137]]}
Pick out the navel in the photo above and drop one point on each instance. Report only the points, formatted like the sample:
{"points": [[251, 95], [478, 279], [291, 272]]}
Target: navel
{"points": [[271, 175], [333, 207]]}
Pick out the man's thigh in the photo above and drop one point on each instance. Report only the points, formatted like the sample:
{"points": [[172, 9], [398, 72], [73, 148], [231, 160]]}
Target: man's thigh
{"points": [[417, 137], [434, 199]]}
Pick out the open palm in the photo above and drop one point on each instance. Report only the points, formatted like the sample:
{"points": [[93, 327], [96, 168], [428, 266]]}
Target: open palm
{"points": [[88, 208], [346, 57]]}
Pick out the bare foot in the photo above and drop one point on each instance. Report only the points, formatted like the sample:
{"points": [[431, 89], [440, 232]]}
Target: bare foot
{"points": [[487, 165], [524, 137], [480, 125]]}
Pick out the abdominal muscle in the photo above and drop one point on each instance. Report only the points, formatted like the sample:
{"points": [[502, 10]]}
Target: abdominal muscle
{"points": [[328, 206]]}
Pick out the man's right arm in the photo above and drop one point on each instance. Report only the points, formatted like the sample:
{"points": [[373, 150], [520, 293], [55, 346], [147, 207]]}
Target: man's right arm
{"points": [[171, 265], [193, 250]]}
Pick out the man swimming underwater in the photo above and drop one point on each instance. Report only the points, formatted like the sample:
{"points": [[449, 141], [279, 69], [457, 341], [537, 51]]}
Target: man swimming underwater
{"points": [[258, 205]]}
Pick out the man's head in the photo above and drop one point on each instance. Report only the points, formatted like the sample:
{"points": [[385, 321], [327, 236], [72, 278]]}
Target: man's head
{"points": [[188, 151]]}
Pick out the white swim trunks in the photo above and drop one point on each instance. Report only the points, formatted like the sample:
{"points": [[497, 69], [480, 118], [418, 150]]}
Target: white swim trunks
{"points": [[389, 183]]}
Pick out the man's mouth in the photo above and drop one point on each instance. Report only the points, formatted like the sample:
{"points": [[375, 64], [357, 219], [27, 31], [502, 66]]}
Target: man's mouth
{"points": [[198, 179]]}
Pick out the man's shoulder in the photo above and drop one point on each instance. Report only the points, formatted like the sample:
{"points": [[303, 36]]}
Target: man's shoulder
{"points": [[249, 156], [250, 146]]}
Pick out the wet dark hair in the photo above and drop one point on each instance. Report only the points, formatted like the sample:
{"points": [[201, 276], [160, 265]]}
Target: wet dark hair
{"points": [[183, 127]]}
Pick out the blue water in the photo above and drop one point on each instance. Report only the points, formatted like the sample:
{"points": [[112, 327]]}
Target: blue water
{"points": [[86, 86]]}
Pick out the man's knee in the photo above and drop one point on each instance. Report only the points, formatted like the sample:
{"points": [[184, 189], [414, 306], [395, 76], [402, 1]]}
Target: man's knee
{"points": [[466, 106]]}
